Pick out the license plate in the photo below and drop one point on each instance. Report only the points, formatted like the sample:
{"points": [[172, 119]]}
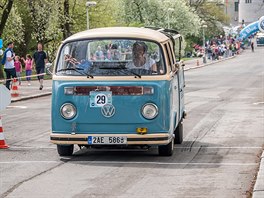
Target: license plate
{"points": [[107, 140]]}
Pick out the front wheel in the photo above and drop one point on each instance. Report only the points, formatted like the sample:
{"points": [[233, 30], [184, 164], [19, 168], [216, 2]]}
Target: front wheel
{"points": [[65, 150], [166, 150], [179, 133]]}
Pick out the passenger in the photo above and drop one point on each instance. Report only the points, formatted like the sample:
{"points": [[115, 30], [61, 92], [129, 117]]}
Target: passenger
{"points": [[140, 60]]}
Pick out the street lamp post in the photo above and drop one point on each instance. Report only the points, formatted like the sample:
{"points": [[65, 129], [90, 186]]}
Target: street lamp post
{"points": [[169, 10], [204, 55], [89, 4]]}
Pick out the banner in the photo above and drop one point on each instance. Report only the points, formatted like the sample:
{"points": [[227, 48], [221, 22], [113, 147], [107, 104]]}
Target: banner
{"points": [[252, 28], [261, 24]]}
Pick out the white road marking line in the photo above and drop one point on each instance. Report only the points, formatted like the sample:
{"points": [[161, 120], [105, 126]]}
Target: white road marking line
{"points": [[30, 147], [256, 103], [216, 147], [18, 107], [168, 163], [136, 162], [29, 162]]}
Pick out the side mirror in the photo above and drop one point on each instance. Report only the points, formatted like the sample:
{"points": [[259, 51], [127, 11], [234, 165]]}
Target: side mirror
{"points": [[182, 63], [49, 68]]}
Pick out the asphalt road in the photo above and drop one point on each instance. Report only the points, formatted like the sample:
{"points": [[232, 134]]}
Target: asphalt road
{"points": [[224, 134]]}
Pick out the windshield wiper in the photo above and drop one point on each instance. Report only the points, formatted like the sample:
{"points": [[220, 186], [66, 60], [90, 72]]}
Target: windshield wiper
{"points": [[76, 70], [122, 69]]}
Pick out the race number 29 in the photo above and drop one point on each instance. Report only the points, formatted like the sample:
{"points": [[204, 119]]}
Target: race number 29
{"points": [[100, 99]]}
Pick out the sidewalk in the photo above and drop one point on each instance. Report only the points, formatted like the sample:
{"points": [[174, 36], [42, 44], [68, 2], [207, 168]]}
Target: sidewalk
{"points": [[32, 91], [28, 92], [258, 191], [196, 63]]}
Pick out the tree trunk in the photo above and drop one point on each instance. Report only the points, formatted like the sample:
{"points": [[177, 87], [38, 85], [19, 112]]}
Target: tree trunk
{"points": [[5, 15], [66, 25], [4, 18]]}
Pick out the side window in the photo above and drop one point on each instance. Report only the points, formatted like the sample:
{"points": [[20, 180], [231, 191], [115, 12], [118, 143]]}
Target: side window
{"points": [[177, 48], [168, 55], [172, 57], [172, 53]]}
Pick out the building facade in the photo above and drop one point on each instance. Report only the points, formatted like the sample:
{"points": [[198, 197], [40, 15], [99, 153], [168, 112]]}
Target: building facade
{"points": [[250, 10], [240, 11], [232, 11]]}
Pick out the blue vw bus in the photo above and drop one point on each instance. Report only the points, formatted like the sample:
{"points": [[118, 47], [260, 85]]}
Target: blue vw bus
{"points": [[260, 39], [118, 87]]}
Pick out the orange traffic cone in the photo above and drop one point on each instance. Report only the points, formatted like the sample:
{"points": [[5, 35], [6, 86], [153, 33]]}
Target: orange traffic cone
{"points": [[14, 90], [3, 145]]}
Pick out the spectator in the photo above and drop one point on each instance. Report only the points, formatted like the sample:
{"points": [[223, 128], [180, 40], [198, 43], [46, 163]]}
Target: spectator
{"points": [[252, 46], [9, 66], [99, 54], [18, 67], [28, 67], [40, 58], [115, 53]]}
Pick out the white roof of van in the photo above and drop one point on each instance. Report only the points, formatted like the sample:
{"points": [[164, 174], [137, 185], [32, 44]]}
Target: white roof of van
{"points": [[120, 32]]}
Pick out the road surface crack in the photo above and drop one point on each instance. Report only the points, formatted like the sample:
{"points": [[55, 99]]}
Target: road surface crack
{"points": [[8, 192]]}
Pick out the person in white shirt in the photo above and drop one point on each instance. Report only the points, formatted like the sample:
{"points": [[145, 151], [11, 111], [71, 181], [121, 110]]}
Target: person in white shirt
{"points": [[140, 60], [9, 66]]}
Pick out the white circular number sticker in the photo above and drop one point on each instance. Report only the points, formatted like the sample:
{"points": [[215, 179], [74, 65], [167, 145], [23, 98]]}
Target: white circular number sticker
{"points": [[101, 100]]}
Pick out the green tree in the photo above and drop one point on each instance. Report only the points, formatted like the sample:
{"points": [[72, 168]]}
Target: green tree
{"points": [[156, 13], [212, 13]]}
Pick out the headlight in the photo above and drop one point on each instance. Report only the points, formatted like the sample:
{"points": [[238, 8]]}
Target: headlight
{"points": [[68, 111], [149, 111]]}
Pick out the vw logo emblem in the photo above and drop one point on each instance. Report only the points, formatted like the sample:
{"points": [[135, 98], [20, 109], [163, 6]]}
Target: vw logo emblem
{"points": [[108, 110]]}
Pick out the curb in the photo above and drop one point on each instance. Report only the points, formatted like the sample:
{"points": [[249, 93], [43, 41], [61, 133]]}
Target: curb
{"points": [[30, 97], [258, 191], [211, 63]]}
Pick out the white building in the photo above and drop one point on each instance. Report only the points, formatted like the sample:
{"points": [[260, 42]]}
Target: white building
{"points": [[240, 11], [232, 11], [250, 10]]}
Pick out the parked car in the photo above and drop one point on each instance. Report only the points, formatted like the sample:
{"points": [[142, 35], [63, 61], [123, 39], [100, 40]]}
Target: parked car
{"points": [[260, 39]]}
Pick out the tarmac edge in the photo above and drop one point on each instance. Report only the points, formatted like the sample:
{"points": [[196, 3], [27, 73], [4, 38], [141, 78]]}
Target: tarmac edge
{"points": [[258, 191]]}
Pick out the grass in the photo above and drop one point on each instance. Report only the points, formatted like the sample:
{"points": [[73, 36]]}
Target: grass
{"points": [[186, 58]]}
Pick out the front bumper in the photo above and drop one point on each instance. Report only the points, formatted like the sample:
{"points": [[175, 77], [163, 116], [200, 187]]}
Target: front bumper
{"points": [[132, 139]]}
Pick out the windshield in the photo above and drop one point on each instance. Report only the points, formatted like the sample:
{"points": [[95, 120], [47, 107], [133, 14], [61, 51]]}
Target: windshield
{"points": [[108, 57]]}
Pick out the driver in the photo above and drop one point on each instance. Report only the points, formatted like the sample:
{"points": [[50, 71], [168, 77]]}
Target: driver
{"points": [[140, 60]]}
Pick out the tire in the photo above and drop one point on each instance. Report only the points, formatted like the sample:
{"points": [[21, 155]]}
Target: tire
{"points": [[178, 133], [65, 150], [166, 150]]}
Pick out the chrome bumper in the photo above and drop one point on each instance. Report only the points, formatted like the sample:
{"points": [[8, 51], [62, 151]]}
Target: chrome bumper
{"points": [[132, 139]]}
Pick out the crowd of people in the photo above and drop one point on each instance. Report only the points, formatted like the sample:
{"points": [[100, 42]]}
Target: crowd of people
{"points": [[219, 47], [13, 65], [112, 52]]}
